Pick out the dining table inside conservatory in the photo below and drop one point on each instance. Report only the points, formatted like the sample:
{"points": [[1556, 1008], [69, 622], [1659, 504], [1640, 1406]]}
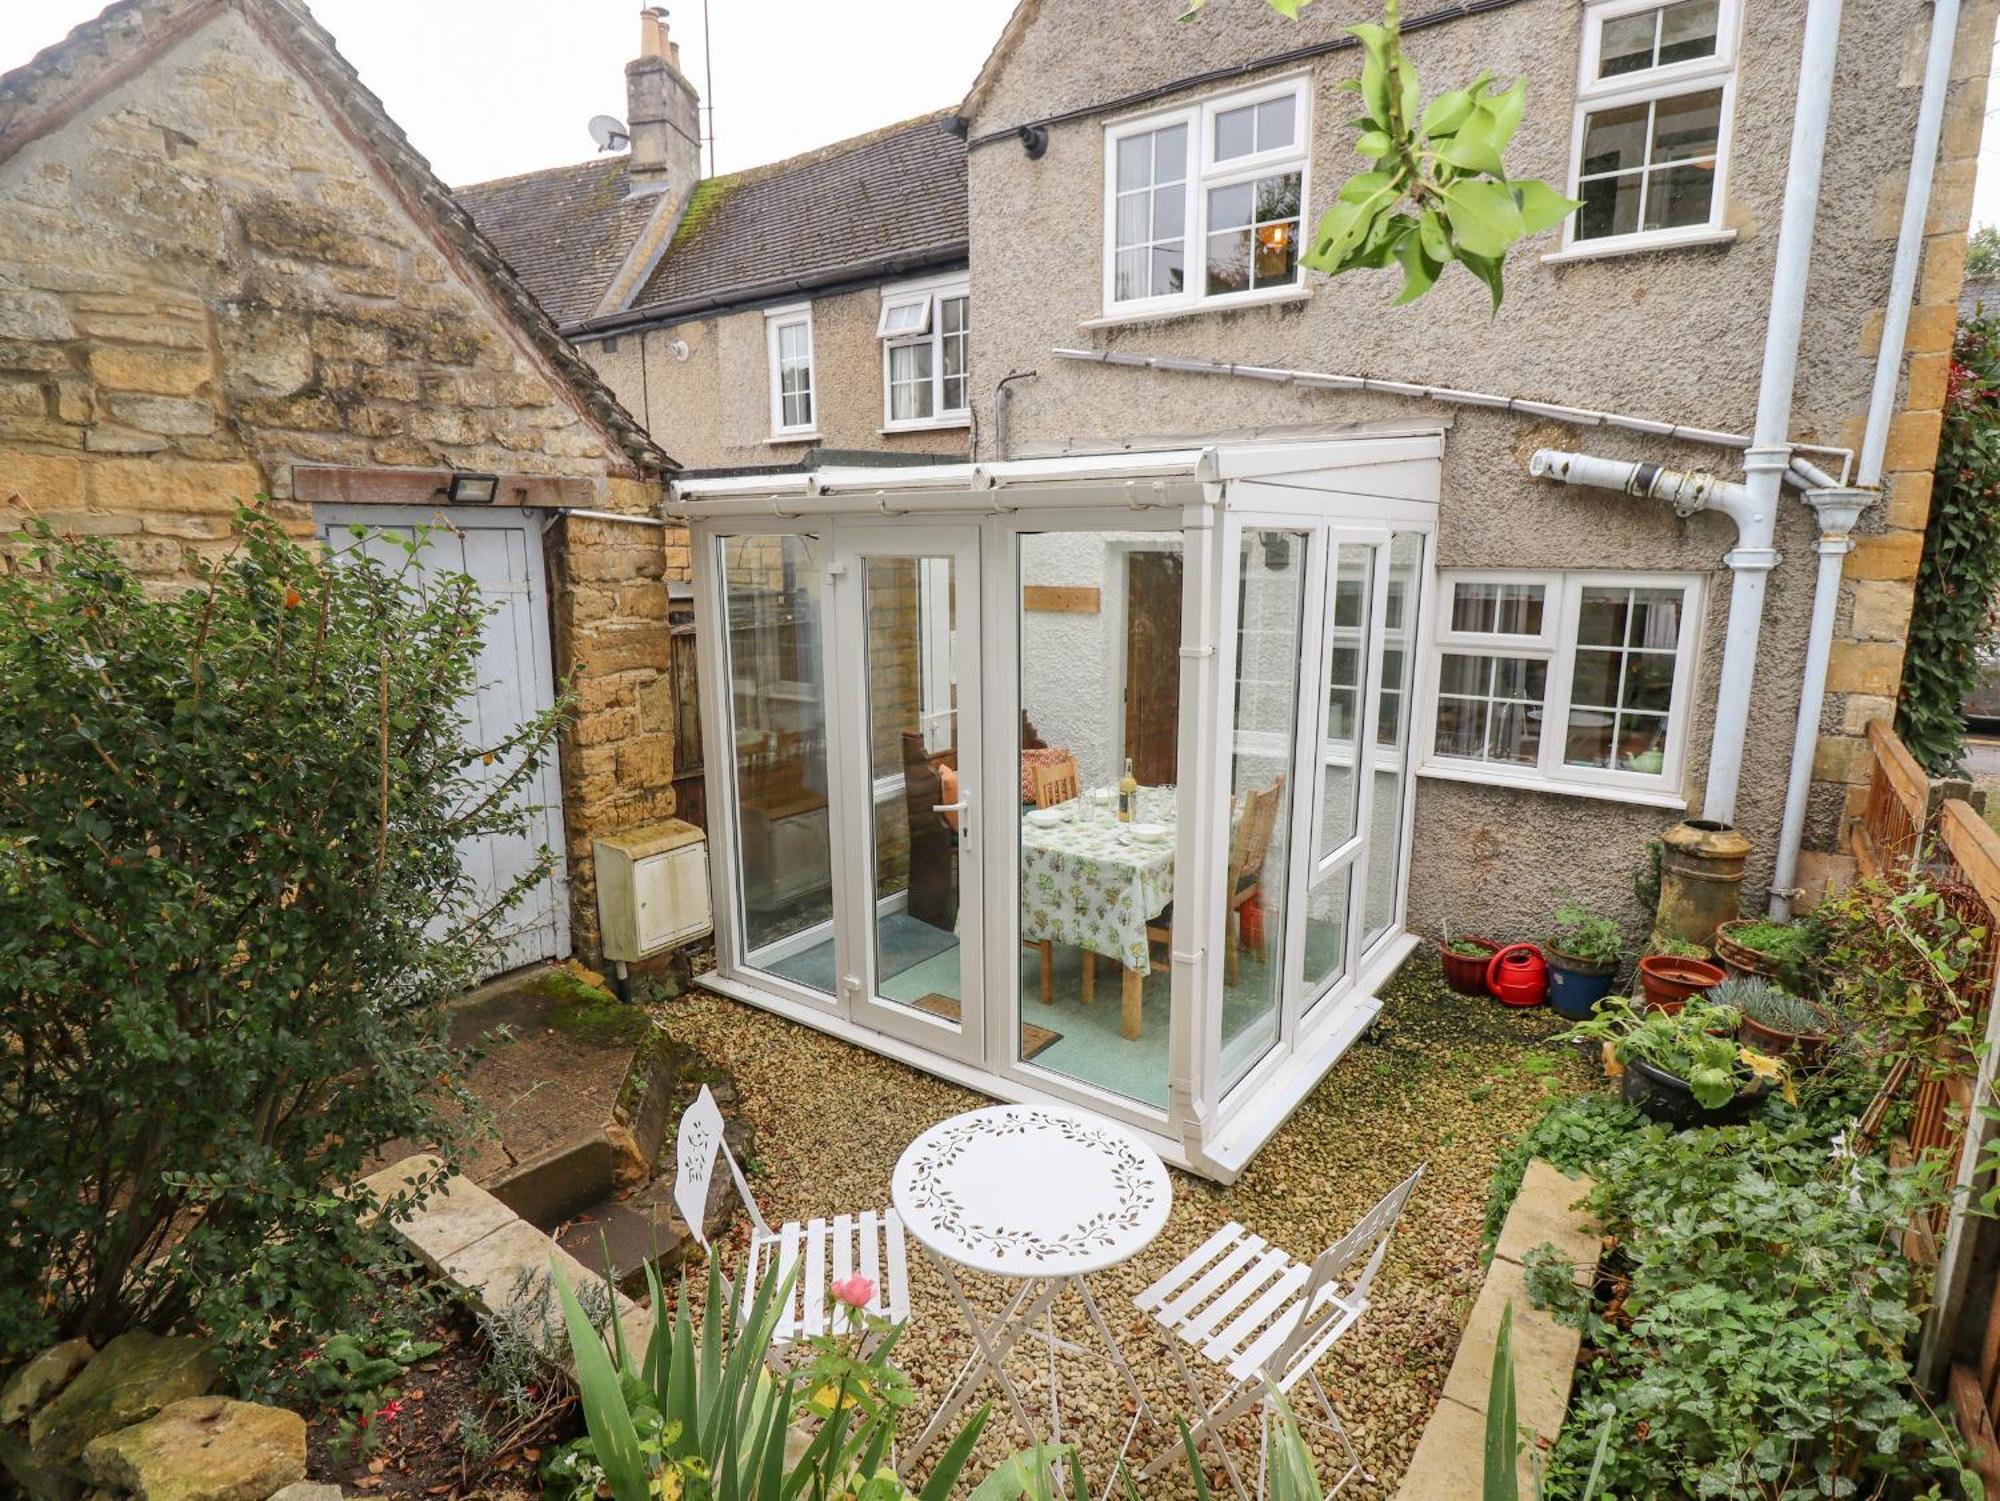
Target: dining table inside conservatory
{"points": [[1096, 883], [1043, 1196]]}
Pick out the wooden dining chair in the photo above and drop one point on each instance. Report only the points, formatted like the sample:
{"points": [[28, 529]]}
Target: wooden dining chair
{"points": [[1056, 783], [1249, 846]]}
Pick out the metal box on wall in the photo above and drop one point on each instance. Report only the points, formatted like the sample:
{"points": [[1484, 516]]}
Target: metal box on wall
{"points": [[652, 889]]}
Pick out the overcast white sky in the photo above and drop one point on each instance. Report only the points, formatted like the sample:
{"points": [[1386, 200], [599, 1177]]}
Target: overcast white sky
{"points": [[487, 88]]}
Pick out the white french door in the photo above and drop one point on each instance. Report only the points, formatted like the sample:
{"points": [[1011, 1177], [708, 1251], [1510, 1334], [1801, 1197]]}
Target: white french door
{"points": [[910, 830]]}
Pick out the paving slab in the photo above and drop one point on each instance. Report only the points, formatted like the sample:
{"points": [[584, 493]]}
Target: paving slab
{"points": [[460, 1214], [1544, 1353], [1543, 1211], [508, 1271], [1450, 1462], [385, 1183]]}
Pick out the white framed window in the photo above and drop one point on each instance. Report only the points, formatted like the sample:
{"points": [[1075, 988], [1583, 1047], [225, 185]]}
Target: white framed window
{"points": [[1205, 204], [926, 331], [1564, 680], [788, 332], [1650, 145]]}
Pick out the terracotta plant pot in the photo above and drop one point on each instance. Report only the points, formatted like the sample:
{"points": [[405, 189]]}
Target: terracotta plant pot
{"points": [[1669, 981], [1803, 1048], [1466, 973], [1739, 960]]}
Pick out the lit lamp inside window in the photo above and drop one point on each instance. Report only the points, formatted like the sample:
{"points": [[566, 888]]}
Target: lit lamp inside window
{"points": [[473, 489]]}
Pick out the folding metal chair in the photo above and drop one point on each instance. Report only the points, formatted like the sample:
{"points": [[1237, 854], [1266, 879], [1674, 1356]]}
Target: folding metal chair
{"points": [[1263, 1320], [869, 1244]]}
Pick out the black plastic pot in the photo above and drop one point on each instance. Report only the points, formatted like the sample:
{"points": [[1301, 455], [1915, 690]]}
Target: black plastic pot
{"points": [[1668, 1099]]}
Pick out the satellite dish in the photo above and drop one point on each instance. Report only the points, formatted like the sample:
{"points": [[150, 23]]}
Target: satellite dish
{"points": [[609, 132]]}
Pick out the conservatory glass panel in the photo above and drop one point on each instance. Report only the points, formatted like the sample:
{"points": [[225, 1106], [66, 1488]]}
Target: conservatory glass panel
{"points": [[1270, 595], [1392, 739], [1100, 691], [1350, 568], [771, 603]]}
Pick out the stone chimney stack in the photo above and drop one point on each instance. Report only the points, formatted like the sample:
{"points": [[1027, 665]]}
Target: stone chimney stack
{"points": [[662, 112]]}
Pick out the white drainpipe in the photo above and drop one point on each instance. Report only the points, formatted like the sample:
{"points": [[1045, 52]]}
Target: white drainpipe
{"points": [[1769, 456], [1837, 510]]}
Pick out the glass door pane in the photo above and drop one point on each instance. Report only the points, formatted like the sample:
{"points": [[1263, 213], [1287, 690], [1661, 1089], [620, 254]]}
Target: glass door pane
{"points": [[1350, 658], [1270, 602], [1099, 622], [1392, 735], [914, 694], [770, 589]]}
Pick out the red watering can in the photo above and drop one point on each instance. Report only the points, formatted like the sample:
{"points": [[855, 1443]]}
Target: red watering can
{"points": [[1517, 975]]}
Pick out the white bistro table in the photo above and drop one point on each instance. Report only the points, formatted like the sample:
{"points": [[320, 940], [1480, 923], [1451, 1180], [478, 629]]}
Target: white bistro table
{"points": [[1043, 1196]]}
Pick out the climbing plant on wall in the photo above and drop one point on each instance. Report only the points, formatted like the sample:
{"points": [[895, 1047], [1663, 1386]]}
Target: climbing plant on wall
{"points": [[1952, 619], [1438, 191]]}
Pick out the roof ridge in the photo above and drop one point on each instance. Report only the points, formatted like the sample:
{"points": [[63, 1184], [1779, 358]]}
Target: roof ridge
{"points": [[832, 149], [602, 158]]}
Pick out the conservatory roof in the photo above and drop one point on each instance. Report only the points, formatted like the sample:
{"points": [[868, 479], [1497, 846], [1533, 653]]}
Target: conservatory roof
{"points": [[1172, 476]]}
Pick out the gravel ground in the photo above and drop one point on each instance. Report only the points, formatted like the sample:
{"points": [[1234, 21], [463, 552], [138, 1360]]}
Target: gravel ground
{"points": [[1443, 1079]]}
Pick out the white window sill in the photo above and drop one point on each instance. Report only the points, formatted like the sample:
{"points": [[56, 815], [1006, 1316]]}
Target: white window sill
{"points": [[939, 424], [1665, 239], [1277, 297], [1643, 797], [793, 438]]}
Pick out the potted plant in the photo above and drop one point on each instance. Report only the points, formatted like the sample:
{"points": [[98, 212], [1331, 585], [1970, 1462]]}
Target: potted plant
{"points": [[1775, 1021], [1684, 1068], [1464, 957], [1583, 952], [1675, 970], [1771, 950]]}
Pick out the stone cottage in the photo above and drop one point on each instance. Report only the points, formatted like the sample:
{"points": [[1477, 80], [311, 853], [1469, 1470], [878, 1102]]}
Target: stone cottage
{"points": [[226, 274], [812, 306]]}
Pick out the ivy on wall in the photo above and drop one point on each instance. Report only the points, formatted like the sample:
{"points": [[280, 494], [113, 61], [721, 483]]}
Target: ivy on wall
{"points": [[1952, 620]]}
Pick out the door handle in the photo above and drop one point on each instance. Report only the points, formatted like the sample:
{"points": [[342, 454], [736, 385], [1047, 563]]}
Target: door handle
{"points": [[963, 808]]}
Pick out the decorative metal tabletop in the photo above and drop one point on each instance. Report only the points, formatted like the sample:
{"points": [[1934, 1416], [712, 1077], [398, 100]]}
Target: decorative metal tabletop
{"points": [[1032, 1191]]}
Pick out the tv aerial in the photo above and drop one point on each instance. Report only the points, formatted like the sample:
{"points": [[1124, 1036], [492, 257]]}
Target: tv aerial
{"points": [[609, 132]]}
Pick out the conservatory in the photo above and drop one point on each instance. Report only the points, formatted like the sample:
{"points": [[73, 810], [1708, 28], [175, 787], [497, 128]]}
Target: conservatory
{"points": [[1082, 778]]}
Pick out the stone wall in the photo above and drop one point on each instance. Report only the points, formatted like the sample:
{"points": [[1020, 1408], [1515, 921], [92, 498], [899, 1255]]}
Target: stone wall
{"points": [[204, 282]]}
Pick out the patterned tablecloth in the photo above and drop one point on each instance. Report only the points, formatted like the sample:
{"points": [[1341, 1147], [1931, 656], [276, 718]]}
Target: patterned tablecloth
{"points": [[1083, 882]]}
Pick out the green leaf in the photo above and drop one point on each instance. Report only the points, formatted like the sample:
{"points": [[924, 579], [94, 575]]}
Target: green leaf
{"points": [[612, 1436], [1436, 236], [1485, 220], [1502, 1438], [1542, 207], [1374, 144], [1474, 146], [944, 1475], [1447, 112], [1374, 69], [1420, 272], [1506, 110], [1364, 185], [1486, 268]]}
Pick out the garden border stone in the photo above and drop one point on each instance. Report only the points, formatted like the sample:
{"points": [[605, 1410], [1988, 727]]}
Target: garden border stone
{"points": [[1451, 1454]]}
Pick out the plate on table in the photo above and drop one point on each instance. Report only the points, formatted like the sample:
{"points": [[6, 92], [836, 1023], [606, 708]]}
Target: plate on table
{"points": [[1047, 818], [1149, 833]]}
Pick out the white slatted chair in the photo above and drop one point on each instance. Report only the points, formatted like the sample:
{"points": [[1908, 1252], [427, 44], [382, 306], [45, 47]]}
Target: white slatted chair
{"points": [[1263, 1320], [869, 1244]]}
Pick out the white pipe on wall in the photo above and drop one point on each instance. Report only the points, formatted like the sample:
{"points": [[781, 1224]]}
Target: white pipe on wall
{"points": [[1909, 240], [1837, 511], [1769, 455]]}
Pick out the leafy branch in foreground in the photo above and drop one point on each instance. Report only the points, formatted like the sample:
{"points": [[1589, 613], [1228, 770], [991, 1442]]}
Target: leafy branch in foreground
{"points": [[1438, 191]]}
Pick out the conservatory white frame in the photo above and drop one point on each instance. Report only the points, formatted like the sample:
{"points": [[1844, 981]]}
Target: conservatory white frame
{"points": [[1358, 488]]}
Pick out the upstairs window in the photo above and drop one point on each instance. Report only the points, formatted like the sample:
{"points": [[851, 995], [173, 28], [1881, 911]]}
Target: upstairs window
{"points": [[1205, 204], [1565, 678], [1652, 124], [788, 331], [926, 339]]}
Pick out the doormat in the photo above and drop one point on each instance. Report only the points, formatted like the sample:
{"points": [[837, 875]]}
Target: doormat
{"points": [[1034, 1039]]}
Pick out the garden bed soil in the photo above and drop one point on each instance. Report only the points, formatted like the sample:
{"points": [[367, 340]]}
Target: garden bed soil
{"points": [[1439, 1079], [422, 1453]]}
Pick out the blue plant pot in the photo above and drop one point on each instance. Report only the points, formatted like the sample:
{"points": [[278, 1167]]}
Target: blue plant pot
{"points": [[1575, 992]]}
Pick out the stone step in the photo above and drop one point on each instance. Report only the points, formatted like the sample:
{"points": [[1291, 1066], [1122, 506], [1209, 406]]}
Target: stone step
{"points": [[631, 1233]]}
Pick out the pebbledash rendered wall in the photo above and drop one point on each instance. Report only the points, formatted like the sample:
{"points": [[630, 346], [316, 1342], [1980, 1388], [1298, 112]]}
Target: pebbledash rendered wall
{"points": [[713, 409], [203, 282], [1668, 334]]}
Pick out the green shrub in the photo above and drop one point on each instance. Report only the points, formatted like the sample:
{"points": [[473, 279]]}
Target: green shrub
{"points": [[1584, 935], [1951, 618], [231, 912]]}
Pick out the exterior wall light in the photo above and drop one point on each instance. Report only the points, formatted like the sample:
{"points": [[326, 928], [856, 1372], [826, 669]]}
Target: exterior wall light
{"points": [[473, 489]]}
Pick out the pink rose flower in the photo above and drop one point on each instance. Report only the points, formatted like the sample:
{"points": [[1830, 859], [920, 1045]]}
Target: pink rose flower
{"points": [[855, 1292]]}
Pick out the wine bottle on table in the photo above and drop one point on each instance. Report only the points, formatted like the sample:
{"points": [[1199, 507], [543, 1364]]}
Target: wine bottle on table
{"points": [[1128, 794]]}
